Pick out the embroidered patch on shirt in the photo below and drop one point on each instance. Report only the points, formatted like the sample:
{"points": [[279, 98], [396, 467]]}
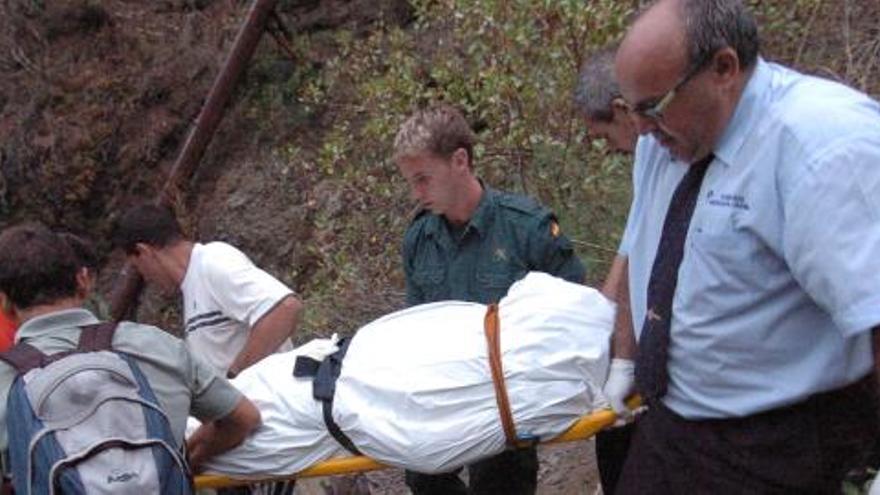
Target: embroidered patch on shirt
{"points": [[725, 200]]}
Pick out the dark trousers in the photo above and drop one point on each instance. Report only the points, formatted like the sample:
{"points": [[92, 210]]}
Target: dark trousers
{"points": [[273, 488], [512, 472], [806, 448], [612, 447]]}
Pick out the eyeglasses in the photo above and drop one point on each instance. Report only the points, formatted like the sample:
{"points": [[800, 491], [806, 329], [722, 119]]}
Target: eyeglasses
{"points": [[654, 110]]}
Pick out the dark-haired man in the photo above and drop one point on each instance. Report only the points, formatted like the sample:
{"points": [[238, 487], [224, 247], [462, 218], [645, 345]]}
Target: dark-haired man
{"points": [[87, 257], [234, 313], [42, 290], [754, 240], [471, 243]]}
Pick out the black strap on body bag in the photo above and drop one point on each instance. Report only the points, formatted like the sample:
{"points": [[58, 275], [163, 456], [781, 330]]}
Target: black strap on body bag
{"points": [[324, 375]]}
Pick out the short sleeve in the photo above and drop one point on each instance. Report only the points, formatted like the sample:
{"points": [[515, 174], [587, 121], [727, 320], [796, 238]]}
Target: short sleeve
{"points": [[832, 233], [641, 153], [213, 397], [244, 291], [624, 247]]}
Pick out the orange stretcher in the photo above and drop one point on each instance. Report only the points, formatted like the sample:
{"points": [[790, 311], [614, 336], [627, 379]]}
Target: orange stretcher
{"points": [[584, 428]]}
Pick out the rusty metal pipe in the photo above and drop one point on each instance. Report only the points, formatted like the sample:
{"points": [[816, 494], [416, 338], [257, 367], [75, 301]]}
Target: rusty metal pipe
{"points": [[124, 298]]}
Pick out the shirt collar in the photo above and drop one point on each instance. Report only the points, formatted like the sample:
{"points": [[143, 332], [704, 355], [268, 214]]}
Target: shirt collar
{"points": [[749, 109], [482, 217], [480, 221], [48, 324]]}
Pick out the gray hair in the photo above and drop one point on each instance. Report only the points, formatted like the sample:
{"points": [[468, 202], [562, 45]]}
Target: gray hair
{"points": [[711, 25], [596, 86]]}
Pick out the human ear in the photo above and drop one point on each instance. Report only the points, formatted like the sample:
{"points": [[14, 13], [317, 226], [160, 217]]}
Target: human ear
{"points": [[619, 105], [83, 282], [725, 64], [619, 110], [460, 158], [142, 248]]}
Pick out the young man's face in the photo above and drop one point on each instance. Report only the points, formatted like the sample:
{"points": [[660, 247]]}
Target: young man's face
{"points": [[433, 180], [146, 260]]}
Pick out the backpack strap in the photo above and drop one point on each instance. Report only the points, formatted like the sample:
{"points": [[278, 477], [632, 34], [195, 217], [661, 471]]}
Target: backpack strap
{"points": [[24, 357], [97, 337]]}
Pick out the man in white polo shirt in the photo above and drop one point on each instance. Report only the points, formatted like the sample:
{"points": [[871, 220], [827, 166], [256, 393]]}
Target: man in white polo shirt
{"points": [[234, 313]]}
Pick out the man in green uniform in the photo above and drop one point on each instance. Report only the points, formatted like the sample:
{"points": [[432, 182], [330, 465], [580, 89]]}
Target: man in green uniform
{"points": [[471, 242]]}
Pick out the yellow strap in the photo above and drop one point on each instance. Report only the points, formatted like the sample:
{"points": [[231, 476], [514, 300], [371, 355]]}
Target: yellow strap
{"points": [[584, 428]]}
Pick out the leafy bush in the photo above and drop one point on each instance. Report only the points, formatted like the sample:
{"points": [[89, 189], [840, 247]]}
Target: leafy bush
{"points": [[510, 65]]}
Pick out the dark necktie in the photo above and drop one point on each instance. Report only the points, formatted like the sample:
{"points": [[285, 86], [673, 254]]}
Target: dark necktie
{"points": [[652, 375]]}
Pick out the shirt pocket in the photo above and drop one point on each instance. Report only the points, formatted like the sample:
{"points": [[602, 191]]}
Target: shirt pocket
{"points": [[736, 259], [495, 279], [431, 281]]}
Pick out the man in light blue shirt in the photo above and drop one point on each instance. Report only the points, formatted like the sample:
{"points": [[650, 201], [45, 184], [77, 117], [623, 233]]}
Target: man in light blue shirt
{"points": [[771, 371]]}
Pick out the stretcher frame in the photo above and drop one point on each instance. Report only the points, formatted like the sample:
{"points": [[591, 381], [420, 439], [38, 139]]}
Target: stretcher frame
{"points": [[584, 428]]}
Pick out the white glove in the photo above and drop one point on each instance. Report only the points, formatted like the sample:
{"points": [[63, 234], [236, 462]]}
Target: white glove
{"points": [[619, 386]]}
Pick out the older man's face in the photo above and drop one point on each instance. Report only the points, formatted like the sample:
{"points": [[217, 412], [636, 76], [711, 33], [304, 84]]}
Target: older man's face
{"points": [[652, 67], [683, 125], [619, 132]]}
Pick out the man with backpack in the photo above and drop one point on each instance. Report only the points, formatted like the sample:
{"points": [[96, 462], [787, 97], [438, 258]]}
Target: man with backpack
{"points": [[97, 407]]}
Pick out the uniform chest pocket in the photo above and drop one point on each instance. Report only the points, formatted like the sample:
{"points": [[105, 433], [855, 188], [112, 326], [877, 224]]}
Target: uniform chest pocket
{"points": [[431, 280], [495, 279]]}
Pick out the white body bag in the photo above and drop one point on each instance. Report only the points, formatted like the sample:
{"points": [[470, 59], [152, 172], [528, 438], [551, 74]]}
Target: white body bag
{"points": [[416, 390]]}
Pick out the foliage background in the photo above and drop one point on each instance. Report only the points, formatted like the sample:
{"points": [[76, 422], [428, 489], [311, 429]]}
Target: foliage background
{"points": [[511, 66], [96, 97]]}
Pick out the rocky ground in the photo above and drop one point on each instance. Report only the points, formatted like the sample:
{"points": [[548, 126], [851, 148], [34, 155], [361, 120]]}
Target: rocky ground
{"points": [[568, 468]]}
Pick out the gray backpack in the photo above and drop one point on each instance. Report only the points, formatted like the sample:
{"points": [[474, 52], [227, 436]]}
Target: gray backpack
{"points": [[87, 421]]}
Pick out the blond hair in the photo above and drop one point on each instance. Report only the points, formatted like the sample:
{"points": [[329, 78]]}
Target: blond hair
{"points": [[439, 130]]}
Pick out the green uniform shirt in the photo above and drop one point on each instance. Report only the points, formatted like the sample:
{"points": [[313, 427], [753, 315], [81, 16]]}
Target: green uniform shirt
{"points": [[508, 236]]}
